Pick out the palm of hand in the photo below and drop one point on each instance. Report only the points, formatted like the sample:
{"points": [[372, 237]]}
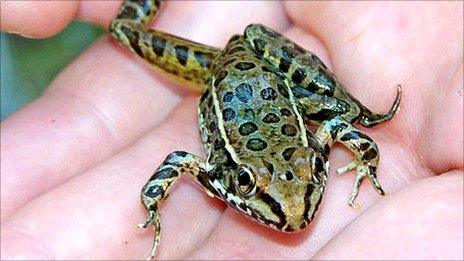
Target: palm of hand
{"points": [[107, 120]]}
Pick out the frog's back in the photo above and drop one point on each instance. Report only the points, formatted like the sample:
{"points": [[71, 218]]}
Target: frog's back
{"points": [[249, 108]]}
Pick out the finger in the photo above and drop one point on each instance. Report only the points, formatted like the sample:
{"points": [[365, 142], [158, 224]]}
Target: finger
{"points": [[101, 103], [422, 221], [120, 126], [440, 143], [243, 238], [106, 199], [214, 21], [99, 123], [99, 12], [36, 19]]}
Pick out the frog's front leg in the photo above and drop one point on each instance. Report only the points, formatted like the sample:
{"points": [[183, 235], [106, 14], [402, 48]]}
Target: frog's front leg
{"points": [[157, 188], [364, 148]]}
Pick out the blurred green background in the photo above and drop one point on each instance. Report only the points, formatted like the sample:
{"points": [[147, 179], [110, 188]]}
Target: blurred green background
{"points": [[28, 66]]}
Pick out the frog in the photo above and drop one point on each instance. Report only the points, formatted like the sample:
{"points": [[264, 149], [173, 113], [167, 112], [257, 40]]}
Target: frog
{"points": [[260, 96]]}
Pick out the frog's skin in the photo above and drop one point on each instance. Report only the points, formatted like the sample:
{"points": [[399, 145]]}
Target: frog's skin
{"points": [[259, 94]]}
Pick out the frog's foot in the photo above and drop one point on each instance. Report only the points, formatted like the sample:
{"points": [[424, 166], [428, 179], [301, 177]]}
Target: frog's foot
{"points": [[370, 119], [153, 218], [362, 170], [363, 147], [157, 188]]}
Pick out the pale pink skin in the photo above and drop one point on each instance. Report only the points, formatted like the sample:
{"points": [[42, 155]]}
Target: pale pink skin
{"points": [[74, 160]]}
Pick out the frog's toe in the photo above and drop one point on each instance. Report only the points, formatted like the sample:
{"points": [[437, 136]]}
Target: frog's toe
{"points": [[362, 170], [153, 218], [150, 217], [350, 166]]}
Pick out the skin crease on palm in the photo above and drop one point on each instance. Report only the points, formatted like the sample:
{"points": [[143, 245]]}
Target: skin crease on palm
{"points": [[74, 160]]}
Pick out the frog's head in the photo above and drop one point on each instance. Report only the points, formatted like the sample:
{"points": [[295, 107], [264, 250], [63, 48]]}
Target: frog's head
{"points": [[284, 198]]}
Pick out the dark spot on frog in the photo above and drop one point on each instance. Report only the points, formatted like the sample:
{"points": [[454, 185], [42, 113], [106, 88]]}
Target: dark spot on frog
{"points": [[307, 199], [323, 81], [166, 173], [219, 144], [158, 45], [271, 118], [288, 130], [313, 87], [285, 112], [298, 76], [157, 3], [235, 37], [353, 135], [364, 146], [299, 50], [327, 148], [220, 76], [259, 46], [228, 96], [201, 59], [128, 12], [276, 208], [182, 54], [247, 128], [180, 153], [244, 92], [256, 144], [284, 65], [288, 175], [154, 192], [322, 115], [268, 94], [266, 69], [229, 162], [133, 37], [229, 61], [210, 101], [317, 60], [301, 92], [369, 154], [228, 114], [287, 153], [212, 126], [268, 166], [283, 90], [235, 50], [243, 66], [287, 53]]}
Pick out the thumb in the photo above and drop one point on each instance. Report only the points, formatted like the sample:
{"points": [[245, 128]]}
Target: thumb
{"points": [[36, 19]]}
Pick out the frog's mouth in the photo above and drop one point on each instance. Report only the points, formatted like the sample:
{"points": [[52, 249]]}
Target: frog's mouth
{"points": [[283, 216]]}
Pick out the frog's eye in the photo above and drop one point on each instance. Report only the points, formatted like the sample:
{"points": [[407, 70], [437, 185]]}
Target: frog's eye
{"points": [[245, 181], [318, 164]]}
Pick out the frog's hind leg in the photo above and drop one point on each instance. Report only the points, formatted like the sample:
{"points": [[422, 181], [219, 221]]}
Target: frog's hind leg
{"points": [[370, 119], [157, 188], [316, 107], [364, 148], [183, 61]]}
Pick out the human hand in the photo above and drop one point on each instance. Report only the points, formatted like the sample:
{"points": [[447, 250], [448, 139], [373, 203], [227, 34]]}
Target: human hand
{"points": [[74, 160]]}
